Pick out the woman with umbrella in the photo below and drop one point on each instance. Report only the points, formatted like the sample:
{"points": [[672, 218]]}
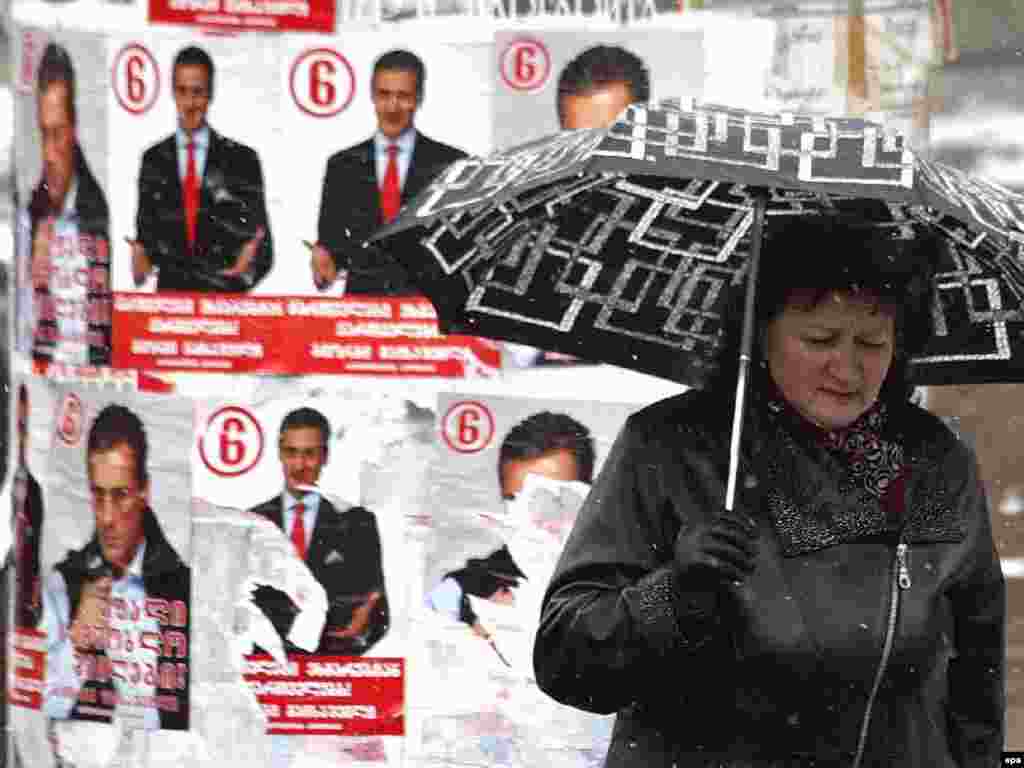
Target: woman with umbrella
{"points": [[849, 610]]}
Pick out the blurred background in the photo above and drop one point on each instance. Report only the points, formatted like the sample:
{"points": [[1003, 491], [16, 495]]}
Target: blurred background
{"points": [[972, 118]]}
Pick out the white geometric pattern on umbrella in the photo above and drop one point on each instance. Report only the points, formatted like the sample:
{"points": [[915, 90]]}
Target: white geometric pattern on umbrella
{"points": [[683, 257], [812, 155], [637, 232]]}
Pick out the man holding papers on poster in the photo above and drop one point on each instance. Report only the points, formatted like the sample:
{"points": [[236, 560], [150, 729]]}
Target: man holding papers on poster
{"points": [[202, 218], [341, 547], [365, 185], [63, 234], [545, 467], [116, 611]]}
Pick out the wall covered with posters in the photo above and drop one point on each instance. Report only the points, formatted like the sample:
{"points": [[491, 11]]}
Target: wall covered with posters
{"points": [[266, 513]]}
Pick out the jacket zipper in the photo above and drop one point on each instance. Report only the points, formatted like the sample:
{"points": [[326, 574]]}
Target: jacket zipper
{"points": [[900, 581]]}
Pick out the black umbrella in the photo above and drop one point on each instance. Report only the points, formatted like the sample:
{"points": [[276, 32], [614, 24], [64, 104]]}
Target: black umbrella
{"points": [[621, 245]]}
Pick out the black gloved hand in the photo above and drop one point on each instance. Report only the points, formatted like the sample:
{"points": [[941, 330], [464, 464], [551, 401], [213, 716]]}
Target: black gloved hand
{"points": [[722, 549]]}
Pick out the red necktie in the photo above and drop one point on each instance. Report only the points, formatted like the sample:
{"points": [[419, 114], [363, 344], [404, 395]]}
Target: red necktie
{"points": [[390, 193], [191, 195], [299, 530]]}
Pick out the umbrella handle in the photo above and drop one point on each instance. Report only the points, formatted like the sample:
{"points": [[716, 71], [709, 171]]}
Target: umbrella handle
{"points": [[746, 344]]}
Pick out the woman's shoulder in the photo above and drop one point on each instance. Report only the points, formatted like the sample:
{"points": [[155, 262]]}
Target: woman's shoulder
{"points": [[693, 410], [927, 433]]}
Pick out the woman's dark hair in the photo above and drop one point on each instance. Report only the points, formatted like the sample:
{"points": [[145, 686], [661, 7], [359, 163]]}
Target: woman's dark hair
{"points": [[815, 254]]}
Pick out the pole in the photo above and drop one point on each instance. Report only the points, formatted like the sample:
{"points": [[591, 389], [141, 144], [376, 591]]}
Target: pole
{"points": [[746, 344]]}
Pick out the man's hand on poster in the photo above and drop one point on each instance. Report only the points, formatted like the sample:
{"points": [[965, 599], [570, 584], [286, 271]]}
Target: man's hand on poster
{"points": [[482, 632], [141, 265], [325, 272], [360, 618], [246, 255], [41, 244], [91, 618]]}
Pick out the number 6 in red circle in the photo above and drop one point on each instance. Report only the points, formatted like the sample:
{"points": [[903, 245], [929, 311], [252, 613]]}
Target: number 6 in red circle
{"points": [[135, 78], [525, 64], [468, 427], [322, 82], [232, 442]]}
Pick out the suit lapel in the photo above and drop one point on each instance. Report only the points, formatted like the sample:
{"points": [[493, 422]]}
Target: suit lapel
{"points": [[325, 520], [420, 160], [170, 155], [205, 193], [369, 160], [274, 510]]}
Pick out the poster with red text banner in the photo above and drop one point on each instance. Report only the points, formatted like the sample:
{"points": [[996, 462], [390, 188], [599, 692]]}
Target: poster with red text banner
{"points": [[329, 119], [220, 279], [265, 15], [340, 473], [114, 607], [62, 228], [199, 219], [331, 695], [510, 476], [231, 334]]}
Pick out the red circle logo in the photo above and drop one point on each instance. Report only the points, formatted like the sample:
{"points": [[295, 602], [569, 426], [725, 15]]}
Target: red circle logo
{"points": [[468, 427], [135, 78], [322, 82], [70, 418], [525, 64], [232, 442]]}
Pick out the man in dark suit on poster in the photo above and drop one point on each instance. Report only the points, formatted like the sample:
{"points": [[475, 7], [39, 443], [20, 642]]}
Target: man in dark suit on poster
{"points": [[366, 184], [63, 232], [341, 547], [202, 217], [127, 582]]}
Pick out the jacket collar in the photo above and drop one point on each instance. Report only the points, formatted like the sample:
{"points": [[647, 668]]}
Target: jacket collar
{"points": [[158, 554], [814, 502]]}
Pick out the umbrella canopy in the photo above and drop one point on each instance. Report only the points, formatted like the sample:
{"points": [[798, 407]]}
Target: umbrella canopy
{"points": [[621, 245]]}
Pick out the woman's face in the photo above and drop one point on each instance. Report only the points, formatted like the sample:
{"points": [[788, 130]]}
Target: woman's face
{"points": [[830, 359]]}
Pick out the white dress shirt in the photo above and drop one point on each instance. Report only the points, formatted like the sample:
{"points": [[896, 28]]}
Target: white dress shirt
{"points": [[134, 662], [311, 500], [201, 139], [406, 144]]}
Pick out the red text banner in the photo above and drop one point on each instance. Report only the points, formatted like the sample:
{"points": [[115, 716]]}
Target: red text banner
{"points": [[290, 15], [330, 695], [224, 333], [28, 668]]}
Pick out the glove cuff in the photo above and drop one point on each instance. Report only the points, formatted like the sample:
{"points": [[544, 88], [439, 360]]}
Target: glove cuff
{"points": [[670, 617]]}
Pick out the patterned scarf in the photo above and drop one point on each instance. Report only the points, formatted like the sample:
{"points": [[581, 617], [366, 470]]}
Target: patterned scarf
{"points": [[859, 469]]}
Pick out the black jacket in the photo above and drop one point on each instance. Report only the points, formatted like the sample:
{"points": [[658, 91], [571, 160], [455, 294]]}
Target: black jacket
{"points": [[350, 211], [344, 556], [27, 499], [780, 670], [94, 240], [232, 208], [164, 577]]}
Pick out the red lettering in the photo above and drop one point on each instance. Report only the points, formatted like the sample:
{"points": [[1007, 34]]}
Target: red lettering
{"points": [[134, 67], [175, 644], [322, 91], [179, 614]]}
